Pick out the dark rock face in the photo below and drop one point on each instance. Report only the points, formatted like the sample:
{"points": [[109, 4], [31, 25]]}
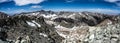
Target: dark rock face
{"points": [[69, 20], [18, 27], [3, 35], [91, 19]]}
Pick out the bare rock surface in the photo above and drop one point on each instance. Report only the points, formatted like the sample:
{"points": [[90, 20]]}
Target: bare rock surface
{"points": [[59, 27]]}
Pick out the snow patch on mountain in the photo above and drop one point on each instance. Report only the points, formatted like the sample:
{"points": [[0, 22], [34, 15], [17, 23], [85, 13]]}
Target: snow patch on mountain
{"points": [[42, 34], [36, 23], [49, 16], [31, 24], [50, 22], [72, 16]]}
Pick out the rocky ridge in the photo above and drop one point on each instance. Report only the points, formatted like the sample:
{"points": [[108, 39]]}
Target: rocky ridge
{"points": [[59, 27]]}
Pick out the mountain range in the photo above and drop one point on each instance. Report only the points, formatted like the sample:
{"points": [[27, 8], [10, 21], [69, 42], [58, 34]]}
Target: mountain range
{"points": [[59, 27]]}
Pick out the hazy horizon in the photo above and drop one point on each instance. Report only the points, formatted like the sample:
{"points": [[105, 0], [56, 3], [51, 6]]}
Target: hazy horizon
{"points": [[100, 6]]}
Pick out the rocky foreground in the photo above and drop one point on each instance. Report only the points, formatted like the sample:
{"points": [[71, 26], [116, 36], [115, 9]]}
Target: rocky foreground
{"points": [[59, 27]]}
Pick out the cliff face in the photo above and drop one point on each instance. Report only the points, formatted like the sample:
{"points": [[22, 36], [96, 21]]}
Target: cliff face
{"points": [[59, 27]]}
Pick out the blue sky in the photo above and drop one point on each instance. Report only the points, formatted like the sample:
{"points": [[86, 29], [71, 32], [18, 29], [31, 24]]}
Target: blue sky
{"points": [[102, 6]]}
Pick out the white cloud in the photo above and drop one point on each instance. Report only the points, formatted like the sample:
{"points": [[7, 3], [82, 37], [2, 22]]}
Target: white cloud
{"points": [[112, 0], [36, 6], [1, 1], [25, 2], [69, 0]]}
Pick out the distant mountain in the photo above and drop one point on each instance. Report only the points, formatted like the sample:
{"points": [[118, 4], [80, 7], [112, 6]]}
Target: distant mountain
{"points": [[58, 27], [3, 15], [119, 14]]}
